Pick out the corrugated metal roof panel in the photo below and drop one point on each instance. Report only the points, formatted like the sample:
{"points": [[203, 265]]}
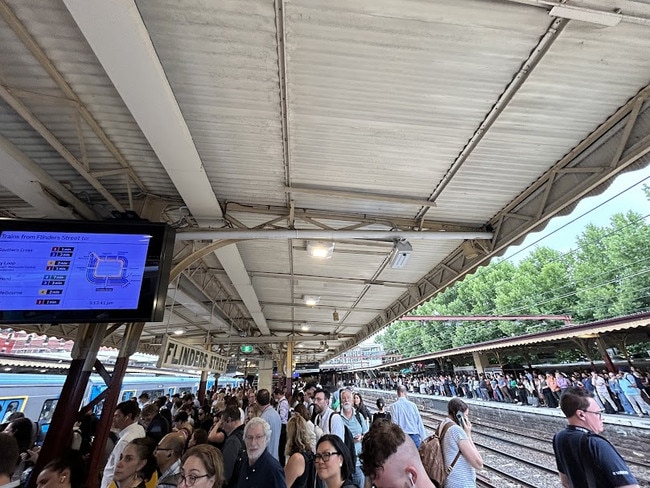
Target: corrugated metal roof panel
{"points": [[221, 62]]}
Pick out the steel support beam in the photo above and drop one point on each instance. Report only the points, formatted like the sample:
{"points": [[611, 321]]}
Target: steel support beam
{"points": [[527, 67], [129, 346], [391, 222]]}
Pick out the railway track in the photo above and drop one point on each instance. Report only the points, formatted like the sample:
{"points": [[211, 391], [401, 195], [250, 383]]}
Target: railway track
{"points": [[517, 455], [518, 458], [505, 465]]}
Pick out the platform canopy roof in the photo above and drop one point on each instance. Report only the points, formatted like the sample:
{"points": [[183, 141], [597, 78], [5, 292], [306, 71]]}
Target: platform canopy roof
{"points": [[454, 127]]}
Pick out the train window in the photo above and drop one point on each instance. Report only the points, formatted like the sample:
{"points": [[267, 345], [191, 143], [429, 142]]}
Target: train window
{"points": [[9, 405], [153, 394], [127, 395], [184, 389]]}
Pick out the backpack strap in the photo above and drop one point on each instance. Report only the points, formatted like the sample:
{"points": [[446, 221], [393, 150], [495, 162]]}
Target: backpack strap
{"points": [[358, 417], [585, 454], [330, 421], [441, 436]]}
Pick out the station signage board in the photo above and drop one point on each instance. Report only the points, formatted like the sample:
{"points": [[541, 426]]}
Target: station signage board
{"points": [[177, 355], [302, 368]]}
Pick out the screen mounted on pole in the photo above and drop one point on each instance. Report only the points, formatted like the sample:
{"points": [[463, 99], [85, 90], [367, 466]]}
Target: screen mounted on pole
{"points": [[56, 271]]}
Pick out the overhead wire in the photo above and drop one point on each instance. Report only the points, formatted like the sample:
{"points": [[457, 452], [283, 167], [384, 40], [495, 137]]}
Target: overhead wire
{"points": [[601, 273]]}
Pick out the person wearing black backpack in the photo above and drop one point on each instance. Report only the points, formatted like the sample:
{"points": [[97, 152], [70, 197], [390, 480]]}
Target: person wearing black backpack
{"points": [[328, 426], [357, 426], [234, 448]]}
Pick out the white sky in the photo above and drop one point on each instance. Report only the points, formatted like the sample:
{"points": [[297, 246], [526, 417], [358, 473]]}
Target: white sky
{"points": [[626, 193]]}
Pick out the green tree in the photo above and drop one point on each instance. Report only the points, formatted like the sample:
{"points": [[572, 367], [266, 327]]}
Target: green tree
{"points": [[612, 270], [608, 275]]}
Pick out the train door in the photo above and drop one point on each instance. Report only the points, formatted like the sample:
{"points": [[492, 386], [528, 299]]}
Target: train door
{"points": [[170, 391]]}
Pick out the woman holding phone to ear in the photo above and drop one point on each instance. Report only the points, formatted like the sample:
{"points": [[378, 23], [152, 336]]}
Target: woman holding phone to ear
{"points": [[457, 444]]}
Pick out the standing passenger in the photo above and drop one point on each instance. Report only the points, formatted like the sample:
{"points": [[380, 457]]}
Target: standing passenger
{"points": [[633, 393], [262, 470], [600, 385], [458, 442], [9, 453], [358, 426], [125, 421], [616, 389], [283, 411], [322, 407], [168, 454], [405, 414], [334, 462], [269, 414], [202, 467], [583, 457], [300, 471], [389, 458], [380, 413]]}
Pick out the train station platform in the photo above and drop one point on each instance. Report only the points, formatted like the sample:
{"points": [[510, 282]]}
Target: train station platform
{"points": [[548, 420]]}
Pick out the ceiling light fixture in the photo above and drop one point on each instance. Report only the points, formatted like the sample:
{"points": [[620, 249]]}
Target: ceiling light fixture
{"points": [[311, 300], [400, 254], [320, 249], [179, 332], [304, 327], [469, 250]]}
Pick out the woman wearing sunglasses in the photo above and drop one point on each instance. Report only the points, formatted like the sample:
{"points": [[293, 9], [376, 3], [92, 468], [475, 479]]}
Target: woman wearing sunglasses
{"points": [[334, 462]]}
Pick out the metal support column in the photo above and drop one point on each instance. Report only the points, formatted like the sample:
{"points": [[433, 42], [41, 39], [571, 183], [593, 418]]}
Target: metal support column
{"points": [[129, 346], [289, 370], [202, 387], [84, 353]]}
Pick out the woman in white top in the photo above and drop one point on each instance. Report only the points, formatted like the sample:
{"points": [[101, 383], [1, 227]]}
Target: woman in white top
{"points": [[458, 438]]}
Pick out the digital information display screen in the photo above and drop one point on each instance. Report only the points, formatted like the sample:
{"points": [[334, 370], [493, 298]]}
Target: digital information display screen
{"points": [[71, 271]]}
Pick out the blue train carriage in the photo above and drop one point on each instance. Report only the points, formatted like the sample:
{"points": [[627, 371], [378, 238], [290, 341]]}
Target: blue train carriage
{"points": [[36, 395]]}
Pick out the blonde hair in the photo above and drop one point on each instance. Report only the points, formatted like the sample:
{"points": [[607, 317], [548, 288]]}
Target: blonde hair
{"points": [[299, 437]]}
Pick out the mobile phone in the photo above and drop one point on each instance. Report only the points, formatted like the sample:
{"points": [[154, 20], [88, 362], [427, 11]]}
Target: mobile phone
{"points": [[460, 417]]}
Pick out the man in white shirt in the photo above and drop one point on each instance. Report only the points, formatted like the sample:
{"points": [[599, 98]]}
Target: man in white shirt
{"points": [[322, 405], [125, 419]]}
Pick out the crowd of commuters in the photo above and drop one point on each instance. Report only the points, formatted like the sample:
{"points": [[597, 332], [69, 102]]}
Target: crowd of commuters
{"points": [[626, 391], [314, 437]]}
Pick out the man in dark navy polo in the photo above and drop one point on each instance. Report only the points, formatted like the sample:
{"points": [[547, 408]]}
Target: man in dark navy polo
{"points": [[262, 470], [584, 458]]}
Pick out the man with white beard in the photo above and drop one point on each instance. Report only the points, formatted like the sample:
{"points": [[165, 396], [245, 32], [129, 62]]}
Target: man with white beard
{"points": [[261, 469], [358, 426]]}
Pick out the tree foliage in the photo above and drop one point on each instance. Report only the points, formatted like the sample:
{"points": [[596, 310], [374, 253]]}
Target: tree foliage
{"points": [[608, 275]]}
